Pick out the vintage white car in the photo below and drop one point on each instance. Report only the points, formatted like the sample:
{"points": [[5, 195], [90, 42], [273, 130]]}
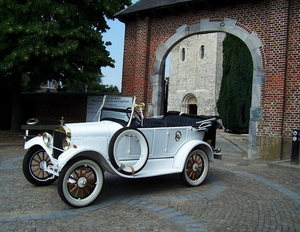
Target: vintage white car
{"points": [[122, 142]]}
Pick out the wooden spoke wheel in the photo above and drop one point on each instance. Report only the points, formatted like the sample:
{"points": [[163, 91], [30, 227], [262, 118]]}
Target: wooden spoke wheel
{"points": [[80, 182], [195, 168], [35, 161]]}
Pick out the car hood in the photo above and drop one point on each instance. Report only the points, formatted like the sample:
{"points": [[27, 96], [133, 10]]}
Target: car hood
{"points": [[93, 129]]}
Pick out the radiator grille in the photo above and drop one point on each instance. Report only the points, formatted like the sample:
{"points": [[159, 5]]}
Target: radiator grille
{"points": [[58, 137]]}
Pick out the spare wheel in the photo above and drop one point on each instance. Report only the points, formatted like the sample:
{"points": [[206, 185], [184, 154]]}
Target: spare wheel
{"points": [[130, 145]]}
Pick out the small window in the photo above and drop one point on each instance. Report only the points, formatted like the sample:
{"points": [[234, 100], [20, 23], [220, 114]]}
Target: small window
{"points": [[202, 52], [183, 54]]}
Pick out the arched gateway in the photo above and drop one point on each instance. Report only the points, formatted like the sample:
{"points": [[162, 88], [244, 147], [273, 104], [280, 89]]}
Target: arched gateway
{"points": [[206, 26], [270, 30]]}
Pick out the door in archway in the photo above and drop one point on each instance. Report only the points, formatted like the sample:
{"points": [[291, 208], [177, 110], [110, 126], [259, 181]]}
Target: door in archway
{"points": [[192, 109]]}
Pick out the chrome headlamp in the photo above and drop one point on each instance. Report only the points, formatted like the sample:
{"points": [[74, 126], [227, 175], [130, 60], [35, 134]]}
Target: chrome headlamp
{"points": [[47, 138], [66, 144]]}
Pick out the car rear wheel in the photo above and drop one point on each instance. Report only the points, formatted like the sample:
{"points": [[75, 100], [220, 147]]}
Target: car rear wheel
{"points": [[34, 162], [80, 182], [195, 168], [123, 143]]}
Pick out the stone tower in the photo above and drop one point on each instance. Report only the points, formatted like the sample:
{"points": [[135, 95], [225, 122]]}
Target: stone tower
{"points": [[196, 74]]}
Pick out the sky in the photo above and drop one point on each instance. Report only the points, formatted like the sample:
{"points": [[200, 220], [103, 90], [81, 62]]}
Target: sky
{"points": [[116, 33]]}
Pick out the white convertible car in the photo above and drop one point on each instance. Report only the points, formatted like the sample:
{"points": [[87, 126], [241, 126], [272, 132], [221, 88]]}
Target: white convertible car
{"points": [[122, 142]]}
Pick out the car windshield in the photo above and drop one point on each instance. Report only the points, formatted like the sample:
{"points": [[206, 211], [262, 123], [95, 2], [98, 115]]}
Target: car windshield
{"points": [[117, 108]]}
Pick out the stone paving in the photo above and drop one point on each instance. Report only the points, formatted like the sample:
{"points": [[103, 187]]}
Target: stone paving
{"points": [[238, 195]]}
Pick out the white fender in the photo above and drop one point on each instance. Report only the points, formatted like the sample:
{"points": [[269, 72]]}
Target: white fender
{"points": [[72, 152], [38, 141], [84, 151], [181, 155]]}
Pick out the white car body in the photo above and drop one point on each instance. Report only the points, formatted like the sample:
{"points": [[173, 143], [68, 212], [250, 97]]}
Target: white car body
{"points": [[163, 151]]}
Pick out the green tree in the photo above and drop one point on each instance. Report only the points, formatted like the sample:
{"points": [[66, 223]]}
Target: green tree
{"points": [[52, 39], [236, 88], [92, 86]]}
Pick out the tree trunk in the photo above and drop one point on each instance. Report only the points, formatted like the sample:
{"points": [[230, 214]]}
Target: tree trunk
{"points": [[16, 116]]}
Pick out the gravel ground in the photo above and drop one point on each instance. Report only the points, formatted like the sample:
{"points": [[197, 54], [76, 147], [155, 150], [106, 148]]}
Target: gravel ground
{"points": [[239, 194], [8, 137]]}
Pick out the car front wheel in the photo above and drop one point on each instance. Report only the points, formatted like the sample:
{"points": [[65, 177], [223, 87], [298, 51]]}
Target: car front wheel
{"points": [[34, 162], [195, 168], [80, 182]]}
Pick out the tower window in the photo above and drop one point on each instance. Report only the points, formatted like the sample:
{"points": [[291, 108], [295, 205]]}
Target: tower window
{"points": [[202, 52], [183, 54]]}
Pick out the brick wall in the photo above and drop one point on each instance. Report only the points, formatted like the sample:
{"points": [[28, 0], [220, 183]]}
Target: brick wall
{"points": [[292, 93], [275, 22], [160, 29], [274, 37]]}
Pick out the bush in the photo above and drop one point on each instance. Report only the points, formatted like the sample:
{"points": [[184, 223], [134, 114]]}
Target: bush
{"points": [[236, 88]]}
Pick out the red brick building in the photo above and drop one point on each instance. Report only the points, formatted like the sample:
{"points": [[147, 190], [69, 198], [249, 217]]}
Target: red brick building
{"points": [[270, 29]]}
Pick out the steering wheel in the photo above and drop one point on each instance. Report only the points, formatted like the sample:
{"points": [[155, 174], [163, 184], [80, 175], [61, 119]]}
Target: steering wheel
{"points": [[136, 117]]}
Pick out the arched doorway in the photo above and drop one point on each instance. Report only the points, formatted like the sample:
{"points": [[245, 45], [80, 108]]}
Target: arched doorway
{"points": [[189, 104], [205, 26]]}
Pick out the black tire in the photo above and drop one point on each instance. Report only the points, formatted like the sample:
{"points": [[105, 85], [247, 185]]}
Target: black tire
{"points": [[80, 182], [113, 151], [34, 159], [195, 168]]}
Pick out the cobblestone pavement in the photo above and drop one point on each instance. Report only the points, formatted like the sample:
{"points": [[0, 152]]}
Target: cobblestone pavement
{"points": [[239, 195]]}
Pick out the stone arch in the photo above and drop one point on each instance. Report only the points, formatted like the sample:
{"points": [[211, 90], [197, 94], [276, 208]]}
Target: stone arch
{"points": [[206, 26]]}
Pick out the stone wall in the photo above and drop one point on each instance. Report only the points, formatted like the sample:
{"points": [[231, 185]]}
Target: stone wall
{"points": [[198, 75]]}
